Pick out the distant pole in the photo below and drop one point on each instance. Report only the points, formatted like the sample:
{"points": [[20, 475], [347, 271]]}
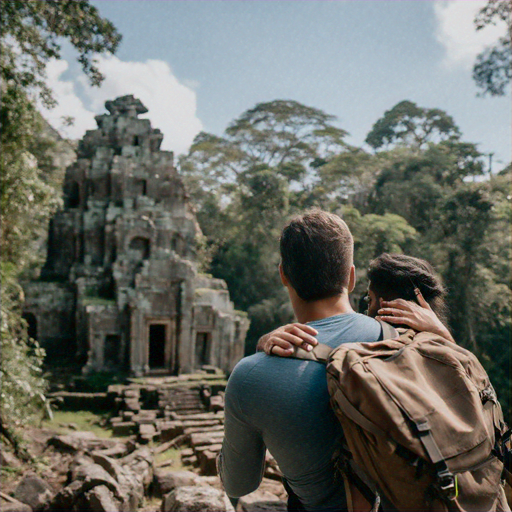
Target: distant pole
{"points": [[490, 166]]}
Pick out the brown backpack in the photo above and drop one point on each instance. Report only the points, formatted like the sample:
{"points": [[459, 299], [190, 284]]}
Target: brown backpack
{"points": [[421, 420]]}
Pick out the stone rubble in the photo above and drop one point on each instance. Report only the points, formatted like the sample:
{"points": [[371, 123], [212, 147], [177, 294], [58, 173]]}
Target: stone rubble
{"points": [[150, 416]]}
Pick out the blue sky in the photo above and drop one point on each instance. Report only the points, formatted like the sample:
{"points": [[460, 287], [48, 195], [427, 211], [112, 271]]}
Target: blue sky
{"points": [[198, 64]]}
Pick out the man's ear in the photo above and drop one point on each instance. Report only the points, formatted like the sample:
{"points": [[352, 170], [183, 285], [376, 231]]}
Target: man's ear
{"points": [[352, 279], [284, 279]]}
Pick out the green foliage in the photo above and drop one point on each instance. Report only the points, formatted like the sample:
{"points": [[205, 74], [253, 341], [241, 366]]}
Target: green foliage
{"points": [[31, 35], [425, 195], [492, 70], [23, 384], [27, 197], [413, 126]]}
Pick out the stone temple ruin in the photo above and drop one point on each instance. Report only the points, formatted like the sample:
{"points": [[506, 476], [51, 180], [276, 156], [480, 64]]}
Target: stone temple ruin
{"points": [[120, 289]]}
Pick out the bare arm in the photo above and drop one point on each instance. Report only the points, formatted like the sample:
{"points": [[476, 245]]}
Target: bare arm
{"points": [[282, 340]]}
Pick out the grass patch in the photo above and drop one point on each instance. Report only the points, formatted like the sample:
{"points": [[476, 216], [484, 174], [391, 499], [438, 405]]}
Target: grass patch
{"points": [[97, 301], [7, 471], [84, 420], [173, 454], [98, 382], [150, 503]]}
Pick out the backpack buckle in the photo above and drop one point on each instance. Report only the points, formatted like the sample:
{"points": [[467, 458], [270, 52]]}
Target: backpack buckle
{"points": [[448, 484]]}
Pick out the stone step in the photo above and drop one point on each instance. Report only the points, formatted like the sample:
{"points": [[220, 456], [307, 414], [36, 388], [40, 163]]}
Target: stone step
{"points": [[202, 439], [124, 428], [216, 447], [199, 430], [200, 416]]}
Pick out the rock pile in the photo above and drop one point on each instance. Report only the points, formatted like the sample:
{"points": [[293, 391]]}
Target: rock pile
{"points": [[185, 491], [178, 411], [114, 475]]}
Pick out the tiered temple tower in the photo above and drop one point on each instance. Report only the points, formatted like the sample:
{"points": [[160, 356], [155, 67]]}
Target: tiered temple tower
{"points": [[120, 288]]}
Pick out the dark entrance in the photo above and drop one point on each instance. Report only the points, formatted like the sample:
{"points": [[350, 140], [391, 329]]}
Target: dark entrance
{"points": [[157, 338], [202, 348], [112, 351]]}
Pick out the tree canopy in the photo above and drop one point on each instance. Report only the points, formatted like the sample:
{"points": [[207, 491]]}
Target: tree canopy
{"points": [[412, 126], [492, 70], [424, 192]]}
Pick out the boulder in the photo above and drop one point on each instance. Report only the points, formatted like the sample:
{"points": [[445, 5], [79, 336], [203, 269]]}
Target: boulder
{"points": [[64, 500], [9, 459], [140, 462], [99, 499], [81, 494], [73, 442], [260, 501], [120, 449], [212, 481], [131, 485], [196, 499], [9, 504], [166, 481], [274, 487], [33, 491]]}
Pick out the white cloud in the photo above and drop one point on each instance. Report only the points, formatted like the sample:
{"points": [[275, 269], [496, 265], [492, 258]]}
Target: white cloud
{"points": [[171, 104], [456, 31]]}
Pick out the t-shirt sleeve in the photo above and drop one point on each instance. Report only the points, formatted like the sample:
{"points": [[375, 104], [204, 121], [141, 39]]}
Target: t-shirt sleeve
{"points": [[242, 459]]}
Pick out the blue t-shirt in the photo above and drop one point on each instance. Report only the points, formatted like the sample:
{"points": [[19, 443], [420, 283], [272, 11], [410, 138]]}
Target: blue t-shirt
{"points": [[283, 405]]}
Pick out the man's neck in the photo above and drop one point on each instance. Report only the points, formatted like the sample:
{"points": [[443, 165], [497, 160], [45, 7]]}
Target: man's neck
{"points": [[319, 309]]}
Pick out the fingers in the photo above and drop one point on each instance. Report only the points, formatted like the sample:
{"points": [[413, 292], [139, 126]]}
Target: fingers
{"points": [[421, 300], [281, 352], [290, 339], [304, 327], [399, 320], [301, 331], [304, 332], [401, 304], [391, 312]]}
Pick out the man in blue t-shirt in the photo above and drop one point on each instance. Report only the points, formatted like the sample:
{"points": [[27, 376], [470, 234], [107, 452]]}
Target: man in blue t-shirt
{"points": [[283, 404]]}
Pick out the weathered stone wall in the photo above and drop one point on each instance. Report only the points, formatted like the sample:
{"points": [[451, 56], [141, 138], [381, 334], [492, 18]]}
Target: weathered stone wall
{"points": [[124, 249]]}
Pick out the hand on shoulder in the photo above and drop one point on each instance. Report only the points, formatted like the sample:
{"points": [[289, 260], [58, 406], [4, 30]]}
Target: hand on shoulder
{"points": [[281, 341]]}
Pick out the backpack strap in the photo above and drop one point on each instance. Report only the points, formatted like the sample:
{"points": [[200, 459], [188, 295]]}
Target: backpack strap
{"points": [[320, 353], [446, 481], [388, 331], [349, 410]]}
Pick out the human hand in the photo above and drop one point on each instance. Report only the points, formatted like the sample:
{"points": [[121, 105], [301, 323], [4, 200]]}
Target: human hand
{"points": [[281, 341], [419, 317]]}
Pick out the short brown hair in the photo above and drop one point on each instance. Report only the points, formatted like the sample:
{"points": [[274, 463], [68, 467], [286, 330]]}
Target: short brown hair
{"points": [[316, 254]]}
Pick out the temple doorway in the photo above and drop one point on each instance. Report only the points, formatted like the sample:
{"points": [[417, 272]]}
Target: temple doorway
{"points": [[157, 345], [202, 349], [112, 351]]}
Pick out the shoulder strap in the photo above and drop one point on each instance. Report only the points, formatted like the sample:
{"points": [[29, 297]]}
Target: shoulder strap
{"points": [[388, 331], [320, 353]]}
